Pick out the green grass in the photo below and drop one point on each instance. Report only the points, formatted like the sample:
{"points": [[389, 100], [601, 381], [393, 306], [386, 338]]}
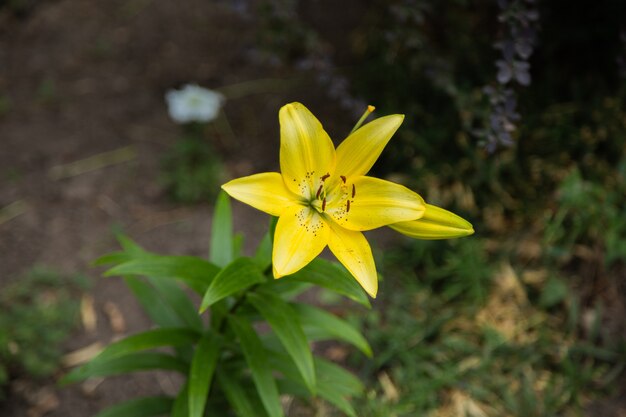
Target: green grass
{"points": [[468, 339], [39, 310]]}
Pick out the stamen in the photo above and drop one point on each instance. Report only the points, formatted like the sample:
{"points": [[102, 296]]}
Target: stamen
{"points": [[324, 177], [319, 191], [324, 204], [343, 178], [368, 111], [347, 206], [353, 190]]}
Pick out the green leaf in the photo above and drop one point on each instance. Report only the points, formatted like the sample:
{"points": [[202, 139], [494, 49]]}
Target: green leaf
{"points": [[330, 275], [149, 340], [337, 379], [201, 374], [237, 396], [221, 249], [196, 272], [112, 258], [256, 357], [263, 254], [324, 326], [130, 246], [296, 390], [285, 323], [334, 383], [179, 302], [180, 408], [142, 407], [133, 362], [239, 274], [153, 304]]}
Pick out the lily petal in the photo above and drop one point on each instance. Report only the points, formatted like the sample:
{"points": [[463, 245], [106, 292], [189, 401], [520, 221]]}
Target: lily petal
{"points": [[265, 192], [436, 223], [306, 151], [353, 251], [376, 203], [301, 234], [358, 152]]}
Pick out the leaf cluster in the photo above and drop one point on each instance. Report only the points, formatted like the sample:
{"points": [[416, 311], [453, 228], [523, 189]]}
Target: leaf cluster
{"points": [[255, 344]]}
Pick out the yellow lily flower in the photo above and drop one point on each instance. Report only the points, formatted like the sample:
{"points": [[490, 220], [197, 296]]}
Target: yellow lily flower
{"points": [[323, 197], [436, 223]]}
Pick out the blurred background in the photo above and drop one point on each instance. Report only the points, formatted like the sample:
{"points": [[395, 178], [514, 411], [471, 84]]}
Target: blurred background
{"points": [[515, 119]]}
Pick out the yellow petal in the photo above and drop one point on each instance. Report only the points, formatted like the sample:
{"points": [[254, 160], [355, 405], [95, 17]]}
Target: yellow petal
{"points": [[353, 251], [306, 151], [436, 223], [265, 192], [301, 234], [357, 154], [375, 203]]}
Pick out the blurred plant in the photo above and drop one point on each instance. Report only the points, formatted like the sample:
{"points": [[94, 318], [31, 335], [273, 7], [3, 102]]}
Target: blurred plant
{"points": [[284, 38], [588, 215], [38, 313], [5, 104], [192, 170], [520, 347], [519, 20]]}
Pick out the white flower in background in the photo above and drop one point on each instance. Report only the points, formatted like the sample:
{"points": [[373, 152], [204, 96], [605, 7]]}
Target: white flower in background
{"points": [[193, 103]]}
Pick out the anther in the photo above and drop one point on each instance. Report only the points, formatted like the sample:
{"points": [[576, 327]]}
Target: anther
{"points": [[324, 177], [324, 204], [319, 191], [348, 205], [343, 178], [353, 190]]}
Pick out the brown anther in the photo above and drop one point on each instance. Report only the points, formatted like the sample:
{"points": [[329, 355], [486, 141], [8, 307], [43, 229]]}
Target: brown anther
{"points": [[324, 177], [343, 178], [353, 190], [324, 204], [319, 191], [347, 206]]}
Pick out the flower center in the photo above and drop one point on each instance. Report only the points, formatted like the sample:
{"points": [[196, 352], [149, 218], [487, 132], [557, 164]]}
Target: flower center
{"points": [[333, 197]]}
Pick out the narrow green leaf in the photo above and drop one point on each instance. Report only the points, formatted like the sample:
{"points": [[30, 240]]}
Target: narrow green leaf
{"points": [[149, 340], [133, 362], [337, 379], [153, 303], [221, 250], [330, 378], [142, 407], [201, 374], [180, 408], [263, 254], [289, 387], [239, 274], [238, 241], [179, 301], [330, 275], [112, 258], [196, 272], [323, 326], [289, 289], [236, 395], [130, 246], [256, 357], [284, 321]]}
